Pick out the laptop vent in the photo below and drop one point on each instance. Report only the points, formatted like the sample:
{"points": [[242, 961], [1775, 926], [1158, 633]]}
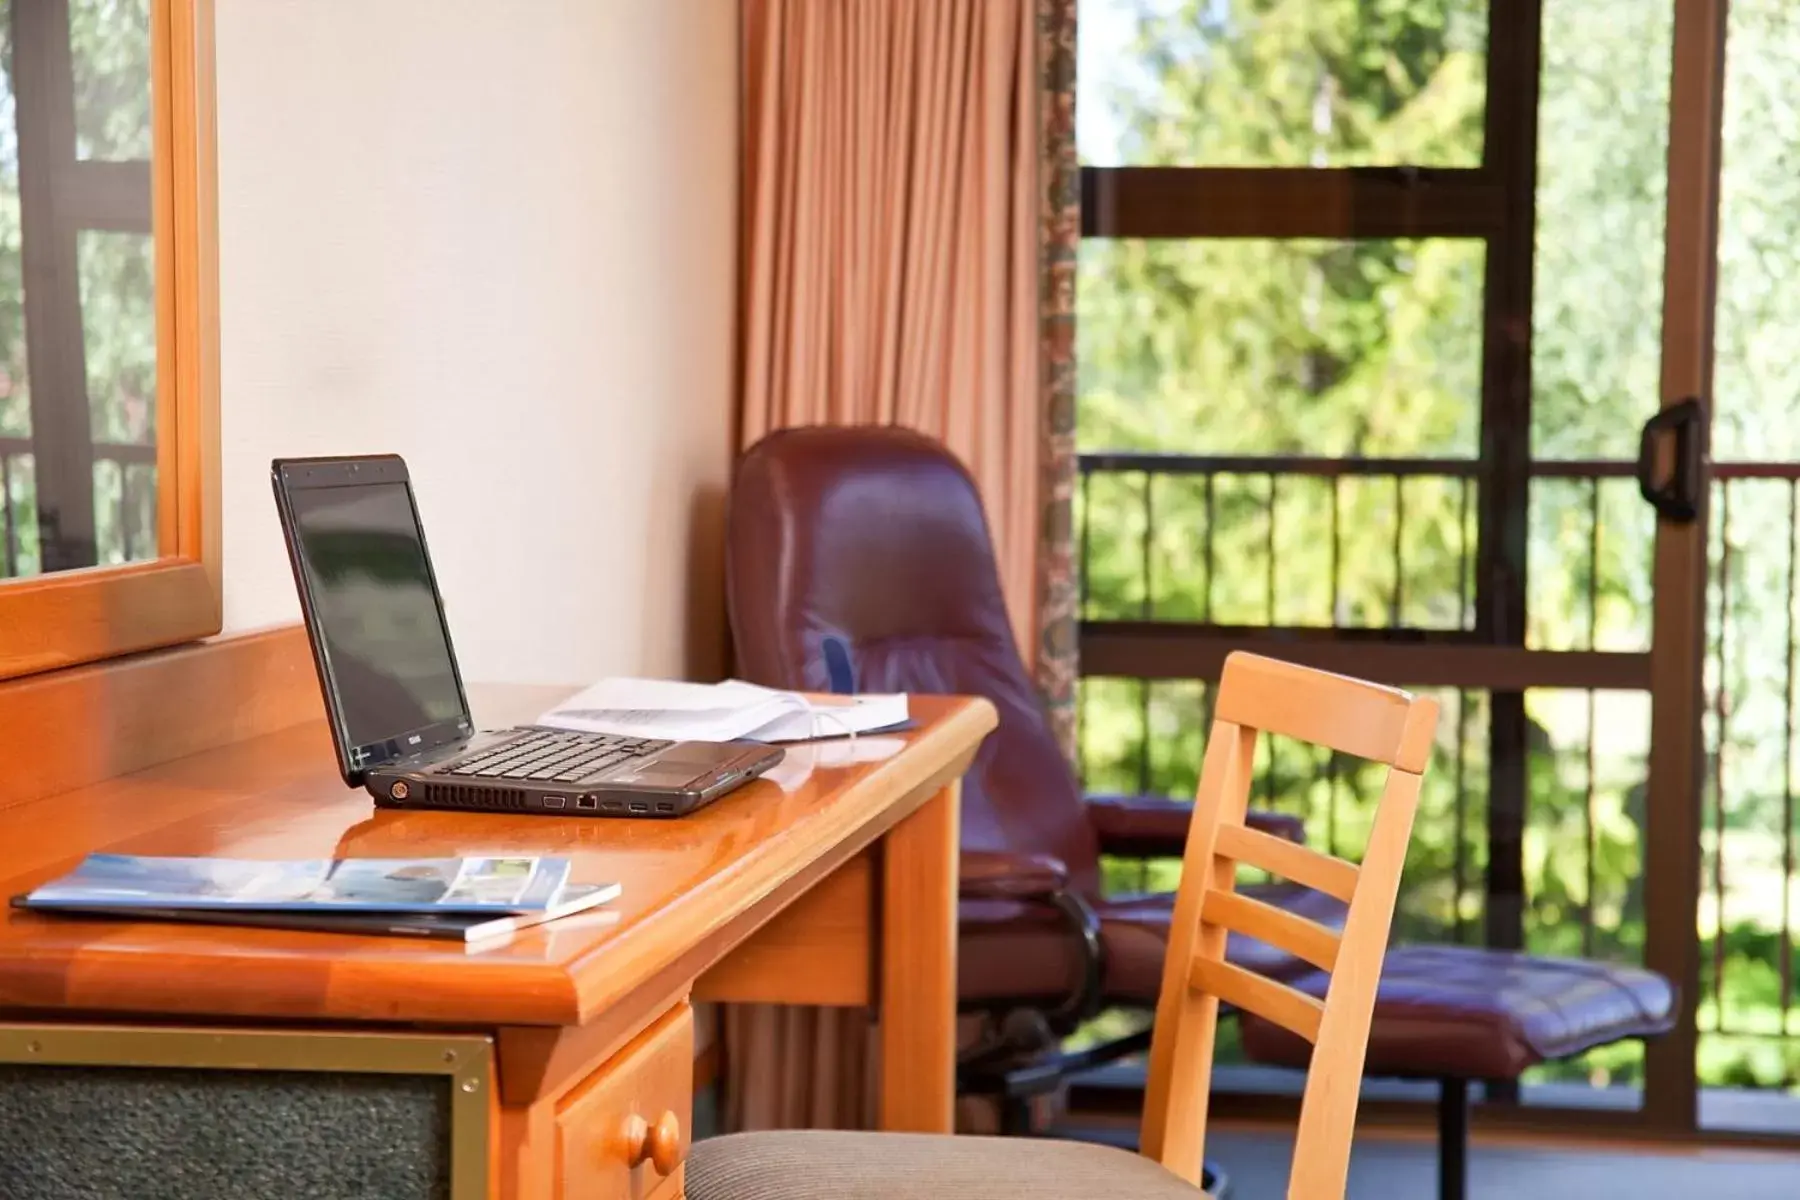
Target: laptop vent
{"points": [[444, 795]]}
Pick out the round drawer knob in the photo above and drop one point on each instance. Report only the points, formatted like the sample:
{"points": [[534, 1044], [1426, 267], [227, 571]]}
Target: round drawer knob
{"points": [[659, 1144]]}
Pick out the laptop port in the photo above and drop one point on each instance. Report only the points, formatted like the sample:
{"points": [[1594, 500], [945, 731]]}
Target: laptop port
{"points": [[665, 806], [555, 801], [587, 802], [638, 806]]}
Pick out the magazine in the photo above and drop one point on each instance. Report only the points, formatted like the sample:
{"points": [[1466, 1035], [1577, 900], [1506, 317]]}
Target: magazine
{"points": [[454, 926], [483, 886]]}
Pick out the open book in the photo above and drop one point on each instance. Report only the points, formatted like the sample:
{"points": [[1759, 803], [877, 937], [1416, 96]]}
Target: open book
{"points": [[467, 899], [721, 712]]}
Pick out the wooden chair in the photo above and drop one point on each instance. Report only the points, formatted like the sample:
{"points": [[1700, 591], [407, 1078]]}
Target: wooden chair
{"points": [[1256, 695]]}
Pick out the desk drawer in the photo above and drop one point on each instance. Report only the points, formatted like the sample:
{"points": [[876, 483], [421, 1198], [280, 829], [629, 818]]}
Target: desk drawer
{"points": [[623, 1134]]}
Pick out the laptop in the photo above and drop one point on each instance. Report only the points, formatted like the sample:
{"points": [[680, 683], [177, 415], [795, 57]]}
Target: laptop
{"points": [[394, 695]]}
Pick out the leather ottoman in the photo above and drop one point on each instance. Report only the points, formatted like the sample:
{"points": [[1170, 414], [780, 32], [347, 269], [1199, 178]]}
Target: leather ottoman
{"points": [[1457, 1013]]}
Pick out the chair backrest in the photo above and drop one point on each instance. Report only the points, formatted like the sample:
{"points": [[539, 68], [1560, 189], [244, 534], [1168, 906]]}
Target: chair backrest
{"points": [[875, 535], [1258, 695]]}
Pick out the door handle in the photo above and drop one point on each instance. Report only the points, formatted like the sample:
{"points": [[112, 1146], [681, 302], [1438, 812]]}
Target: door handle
{"points": [[1676, 498]]}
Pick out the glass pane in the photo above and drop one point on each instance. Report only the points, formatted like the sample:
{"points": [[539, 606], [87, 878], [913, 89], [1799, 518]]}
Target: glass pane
{"points": [[1756, 380], [109, 42], [1749, 1054], [1592, 542], [1603, 139], [18, 515], [86, 417], [1251, 346], [15, 397], [118, 321], [1289, 83], [1584, 863]]}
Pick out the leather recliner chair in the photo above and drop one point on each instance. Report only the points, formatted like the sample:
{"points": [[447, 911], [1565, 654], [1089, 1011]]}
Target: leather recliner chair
{"points": [[874, 538]]}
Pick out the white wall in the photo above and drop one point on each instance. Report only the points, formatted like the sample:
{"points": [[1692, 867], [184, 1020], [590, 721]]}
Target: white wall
{"points": [[497, 238]]}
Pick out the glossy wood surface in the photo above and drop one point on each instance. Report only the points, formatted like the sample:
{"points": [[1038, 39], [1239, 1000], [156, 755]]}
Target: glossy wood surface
{"points": [[818, 951], [68, 729], [918, 930], [693, 888], [626, 1131]]}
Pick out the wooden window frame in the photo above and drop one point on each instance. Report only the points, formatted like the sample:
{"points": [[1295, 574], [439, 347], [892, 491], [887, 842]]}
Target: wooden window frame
{"points": [[69, 617]]}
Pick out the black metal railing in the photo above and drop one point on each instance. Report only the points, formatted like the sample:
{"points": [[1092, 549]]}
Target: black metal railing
{"points": [[1184, 556]]}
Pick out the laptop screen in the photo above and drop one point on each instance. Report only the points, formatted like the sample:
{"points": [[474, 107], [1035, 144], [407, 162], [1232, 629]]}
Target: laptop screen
{"points": [[376, 611]]}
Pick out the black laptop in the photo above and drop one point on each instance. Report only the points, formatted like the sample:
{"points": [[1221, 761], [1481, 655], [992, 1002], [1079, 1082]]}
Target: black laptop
{"points": [[394, 696]]}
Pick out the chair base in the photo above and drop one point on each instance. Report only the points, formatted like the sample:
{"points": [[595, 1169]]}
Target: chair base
{"points": [[1453, 1139]]}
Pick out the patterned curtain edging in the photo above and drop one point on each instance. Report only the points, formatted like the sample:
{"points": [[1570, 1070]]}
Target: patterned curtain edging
{"points": [[1059, 586]]}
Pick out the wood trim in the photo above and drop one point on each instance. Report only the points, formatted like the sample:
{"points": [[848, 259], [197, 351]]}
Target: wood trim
{"points": [[1289, 202], [60, 619], [70, 729], [1290, 860], [1677, 743], [818, 951], [1304, 939], [918, 968], [1296, 1012], [1165, 650]]}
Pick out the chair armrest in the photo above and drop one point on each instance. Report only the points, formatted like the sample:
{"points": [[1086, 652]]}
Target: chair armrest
{"points": [[1005, 875], [1157, 826]]}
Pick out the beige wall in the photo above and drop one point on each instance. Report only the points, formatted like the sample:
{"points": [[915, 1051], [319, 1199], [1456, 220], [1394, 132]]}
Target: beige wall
{"points": [[498, 239]]}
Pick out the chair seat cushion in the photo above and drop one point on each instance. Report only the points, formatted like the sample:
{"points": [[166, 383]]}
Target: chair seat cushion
{"points": [[824, 1165], [1461, 1011], [1011, 950]]}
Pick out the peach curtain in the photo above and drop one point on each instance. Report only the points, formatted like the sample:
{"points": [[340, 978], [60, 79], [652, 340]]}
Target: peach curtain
{"points": [[890, 237], [891, 270]]}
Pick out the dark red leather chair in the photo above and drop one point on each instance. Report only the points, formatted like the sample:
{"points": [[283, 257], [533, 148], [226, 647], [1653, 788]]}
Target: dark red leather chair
{"points": [[874, 538]]}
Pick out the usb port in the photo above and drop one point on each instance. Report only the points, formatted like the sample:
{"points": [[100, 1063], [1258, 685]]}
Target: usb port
{"points": [[638, 806], [555, 801], [665, 806], [587, 802]]}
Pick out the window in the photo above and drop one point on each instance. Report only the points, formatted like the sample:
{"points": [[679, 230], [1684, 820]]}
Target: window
{"points": [[108, 431]]}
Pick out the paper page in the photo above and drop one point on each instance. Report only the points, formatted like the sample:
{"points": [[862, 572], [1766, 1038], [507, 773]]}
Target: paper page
{"points": [[666, 695], [669, 710], [834, 716]]}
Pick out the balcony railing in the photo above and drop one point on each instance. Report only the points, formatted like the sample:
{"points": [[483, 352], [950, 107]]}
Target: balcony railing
{"points": [[1374, 566]]}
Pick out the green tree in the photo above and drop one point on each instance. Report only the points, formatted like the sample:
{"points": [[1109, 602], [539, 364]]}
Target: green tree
{"points": [[1371, 348]]}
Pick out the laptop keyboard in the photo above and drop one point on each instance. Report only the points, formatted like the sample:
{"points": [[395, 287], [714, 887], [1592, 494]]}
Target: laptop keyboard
{"points": [[552, 755]]}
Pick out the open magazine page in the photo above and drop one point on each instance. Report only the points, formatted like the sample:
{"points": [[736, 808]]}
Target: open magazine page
{"points": [[497, 883], [669, 710], [720, 712]]}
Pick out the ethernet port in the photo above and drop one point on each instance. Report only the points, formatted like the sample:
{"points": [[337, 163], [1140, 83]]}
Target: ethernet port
{"points": [[586, 802]]}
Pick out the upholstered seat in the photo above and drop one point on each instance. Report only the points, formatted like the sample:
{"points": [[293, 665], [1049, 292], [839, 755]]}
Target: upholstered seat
{"points": [[821, 1165], [1464, 1012], [1461, 1013]]}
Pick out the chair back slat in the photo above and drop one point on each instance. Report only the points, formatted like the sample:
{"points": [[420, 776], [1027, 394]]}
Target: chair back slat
{"points": [[1296, 1012], [1290, 860], [1348, 715], [1257, 696], [1306, 940]]}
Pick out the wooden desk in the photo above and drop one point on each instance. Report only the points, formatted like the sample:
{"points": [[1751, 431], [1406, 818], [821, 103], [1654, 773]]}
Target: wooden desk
{"points": [[563, 1058]]}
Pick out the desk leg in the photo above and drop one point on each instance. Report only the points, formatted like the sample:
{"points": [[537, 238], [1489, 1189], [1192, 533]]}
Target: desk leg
{"points": [[918, 968]]}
